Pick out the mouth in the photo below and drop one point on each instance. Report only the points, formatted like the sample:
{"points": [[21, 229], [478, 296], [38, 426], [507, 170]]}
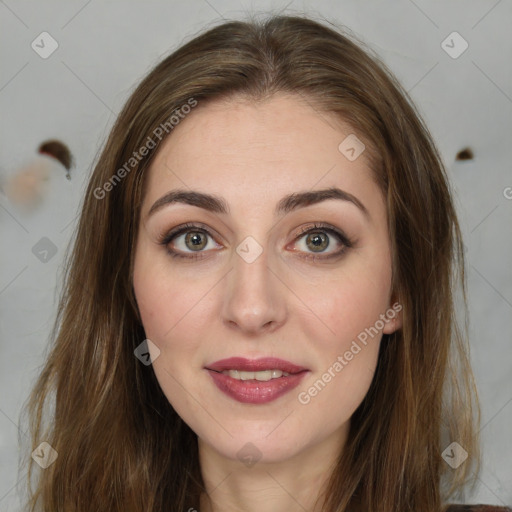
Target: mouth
{"points": [[247, 369], [255, 381]]}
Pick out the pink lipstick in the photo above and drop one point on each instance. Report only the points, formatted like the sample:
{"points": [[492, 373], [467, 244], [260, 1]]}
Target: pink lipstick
{"points": [[255, 381]]}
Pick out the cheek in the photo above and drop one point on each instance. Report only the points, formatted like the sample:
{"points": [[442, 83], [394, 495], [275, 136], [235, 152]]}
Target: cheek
{"points": [[345, 361], [177, 316], [170, 309], [345, 336], [164, 300], [155, 306], [347, 303]]}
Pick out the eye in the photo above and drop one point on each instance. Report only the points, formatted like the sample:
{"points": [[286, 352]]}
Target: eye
{"points": [[317, 238], [189, 239]]}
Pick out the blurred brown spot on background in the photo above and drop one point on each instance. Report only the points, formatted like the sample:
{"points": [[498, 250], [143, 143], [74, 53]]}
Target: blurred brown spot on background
{"points": [[58, 150], [464, 154]]}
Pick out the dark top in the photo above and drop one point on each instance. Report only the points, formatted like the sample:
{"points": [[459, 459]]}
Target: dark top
{"points": [[477, 508]]}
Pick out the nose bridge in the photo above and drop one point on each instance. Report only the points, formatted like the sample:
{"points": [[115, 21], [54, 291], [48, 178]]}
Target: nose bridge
{"points": [[252, 298]]}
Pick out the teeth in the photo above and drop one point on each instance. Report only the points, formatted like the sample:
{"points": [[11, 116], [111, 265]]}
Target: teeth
{"points": [[265, 375]]}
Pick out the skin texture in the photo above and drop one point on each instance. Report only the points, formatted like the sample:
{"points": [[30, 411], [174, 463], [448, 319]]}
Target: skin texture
{"points": [[281, 305]]}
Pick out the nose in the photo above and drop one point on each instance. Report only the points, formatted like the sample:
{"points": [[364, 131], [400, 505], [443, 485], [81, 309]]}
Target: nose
{"points": [[255, 296]]}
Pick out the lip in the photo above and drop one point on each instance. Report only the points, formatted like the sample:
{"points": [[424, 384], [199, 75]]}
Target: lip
{"points": [[255, 365], [254, 391]]}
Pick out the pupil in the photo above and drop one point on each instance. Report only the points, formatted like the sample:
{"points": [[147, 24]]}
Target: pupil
{"points": [[317, 240], [195, 238]]}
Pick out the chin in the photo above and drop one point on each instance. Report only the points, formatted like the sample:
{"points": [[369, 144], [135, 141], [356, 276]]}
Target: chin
{"points": [[249, 449]]}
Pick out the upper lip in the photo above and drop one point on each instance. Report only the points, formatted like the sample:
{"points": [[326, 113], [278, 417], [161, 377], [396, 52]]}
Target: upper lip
{"points": [[254, 365]]}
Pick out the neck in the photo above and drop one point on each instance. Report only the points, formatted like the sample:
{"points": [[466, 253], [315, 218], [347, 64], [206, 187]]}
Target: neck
{"points": [[292, 485]]}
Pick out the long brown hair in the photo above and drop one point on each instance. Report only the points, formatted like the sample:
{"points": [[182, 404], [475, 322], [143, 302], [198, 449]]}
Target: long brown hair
{"points": [[120, 444]]}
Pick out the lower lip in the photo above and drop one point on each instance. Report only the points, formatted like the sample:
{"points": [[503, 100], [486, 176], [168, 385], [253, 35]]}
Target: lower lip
{"points": [[256, 392]]}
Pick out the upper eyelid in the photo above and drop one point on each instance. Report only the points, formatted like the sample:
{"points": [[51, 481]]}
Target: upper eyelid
{"points": [[184, 228], [178, 231]]}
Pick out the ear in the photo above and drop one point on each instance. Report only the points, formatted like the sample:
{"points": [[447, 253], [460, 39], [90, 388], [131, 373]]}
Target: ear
{"points": [[394, 316]]}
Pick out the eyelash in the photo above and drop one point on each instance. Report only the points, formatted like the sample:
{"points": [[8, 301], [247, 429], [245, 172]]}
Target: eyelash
{"points": [[167, 237]]}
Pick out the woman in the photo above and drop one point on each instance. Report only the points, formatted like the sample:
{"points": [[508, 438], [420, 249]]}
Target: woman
{"points": [[259, 306]]}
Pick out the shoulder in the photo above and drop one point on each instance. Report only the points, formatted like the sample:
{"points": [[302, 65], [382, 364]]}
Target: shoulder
{"points": [[477, 508]]}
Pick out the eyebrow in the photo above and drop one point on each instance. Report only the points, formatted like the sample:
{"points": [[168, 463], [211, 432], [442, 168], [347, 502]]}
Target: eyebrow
{"points": [[287, 204]]}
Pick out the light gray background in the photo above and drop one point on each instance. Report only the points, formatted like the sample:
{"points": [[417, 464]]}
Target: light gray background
{"points": [[106, 47]]}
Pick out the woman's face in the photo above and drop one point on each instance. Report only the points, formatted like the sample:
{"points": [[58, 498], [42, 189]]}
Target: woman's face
{"points": [[256, 279]]}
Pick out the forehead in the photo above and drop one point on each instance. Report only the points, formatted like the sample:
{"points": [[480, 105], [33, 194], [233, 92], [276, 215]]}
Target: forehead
{"points": [[238, 148]]}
